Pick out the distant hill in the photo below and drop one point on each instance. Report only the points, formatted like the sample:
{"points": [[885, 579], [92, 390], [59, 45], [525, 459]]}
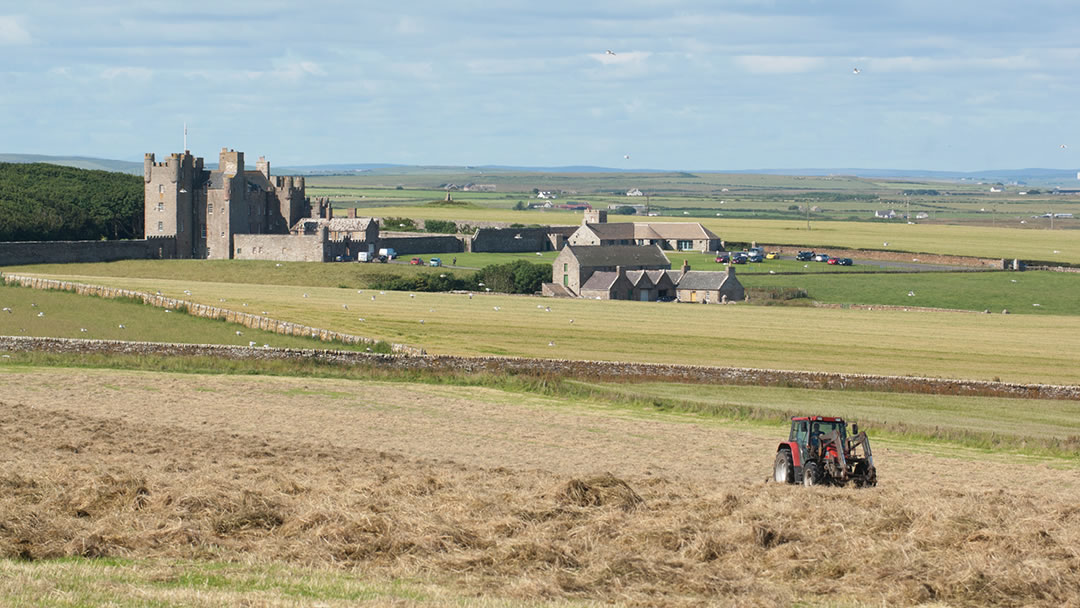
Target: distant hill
{"points": [[79, 162], [1032, 175]]}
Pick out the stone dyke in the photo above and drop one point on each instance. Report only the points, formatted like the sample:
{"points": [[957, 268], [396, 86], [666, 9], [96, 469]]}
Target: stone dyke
{"points": [[202, 310], [609, 371], [14, 253]]}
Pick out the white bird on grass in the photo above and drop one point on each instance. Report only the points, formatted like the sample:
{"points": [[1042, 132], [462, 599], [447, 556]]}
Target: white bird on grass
{"points": [[412, 295], [911, 293], [361, 319], [421, 321], [305, 295], [6, 309], [41, 314], [252, 342], [372, 298], [82, 329], [121, 326], [571, 321], [551, 344], [239, 333], [496, 308], [345, 306]]}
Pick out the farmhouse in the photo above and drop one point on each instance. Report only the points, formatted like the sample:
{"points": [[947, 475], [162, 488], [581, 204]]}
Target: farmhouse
{"points": [[678, 236], [575, 265], [710, 286], [634, 272]]}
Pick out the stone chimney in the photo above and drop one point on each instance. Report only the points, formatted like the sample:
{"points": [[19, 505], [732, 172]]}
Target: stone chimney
{"points": [[731, 270], [686, 266], [351, 213]]}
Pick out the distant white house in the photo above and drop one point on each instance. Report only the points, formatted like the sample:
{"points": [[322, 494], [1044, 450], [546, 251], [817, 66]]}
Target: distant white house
{"points": [[545, 194], [997, 189], [634, 192], [922, 215], [887, 214]]}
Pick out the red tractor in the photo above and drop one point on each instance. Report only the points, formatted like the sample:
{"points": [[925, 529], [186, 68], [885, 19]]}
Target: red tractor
{"points": [[819, 451]]}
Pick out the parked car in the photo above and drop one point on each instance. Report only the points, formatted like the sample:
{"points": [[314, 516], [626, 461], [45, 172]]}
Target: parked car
{"points": [[834, 261], [804, 256], [723, 257], [755, 256], [821, 257], [363, 256], [842, 261], [388, 253], [772, 255], [434, 262], [739, 257], [417, 261], [759, 250]]}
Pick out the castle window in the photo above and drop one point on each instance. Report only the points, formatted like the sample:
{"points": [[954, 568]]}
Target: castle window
{"points": [[161, 226], [209, 207], [161, 188], [237, 251], [160, 206], [204, 232], [222, 234]]}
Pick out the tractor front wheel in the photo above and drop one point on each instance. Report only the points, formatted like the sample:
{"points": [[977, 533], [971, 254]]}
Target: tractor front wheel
{"points": [[783, 469], [811, 476]]}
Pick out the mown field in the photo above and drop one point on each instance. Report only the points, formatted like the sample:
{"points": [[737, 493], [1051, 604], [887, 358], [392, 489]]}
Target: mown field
{"points": [[58, 314], [131, 488], [937, 344]]}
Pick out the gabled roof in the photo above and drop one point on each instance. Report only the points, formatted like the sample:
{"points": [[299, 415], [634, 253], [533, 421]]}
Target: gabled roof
{"points": [[612, 232], [703, 279], [619, 255], [601, 280], [678, 230], [641, 278]]}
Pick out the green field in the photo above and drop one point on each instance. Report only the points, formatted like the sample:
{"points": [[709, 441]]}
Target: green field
{"points": [[939, 344], [59, 314]]}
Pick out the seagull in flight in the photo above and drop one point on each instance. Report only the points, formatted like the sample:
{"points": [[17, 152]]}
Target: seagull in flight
{"points": [[610, 52], [1063, 146], [856, 71]]}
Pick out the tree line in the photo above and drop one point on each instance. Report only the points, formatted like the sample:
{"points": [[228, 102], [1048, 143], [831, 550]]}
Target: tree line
{"points": [[44, 202]]}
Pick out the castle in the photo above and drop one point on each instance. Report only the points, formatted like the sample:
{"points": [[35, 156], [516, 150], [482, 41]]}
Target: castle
{"points": [[205, 209]]}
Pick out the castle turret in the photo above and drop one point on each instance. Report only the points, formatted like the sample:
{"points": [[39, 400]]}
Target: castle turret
{"points": [[148, 166], [231, 162], [263, 166]]}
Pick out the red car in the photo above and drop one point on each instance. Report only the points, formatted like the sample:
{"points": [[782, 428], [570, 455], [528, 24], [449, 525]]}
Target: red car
{"points": [[417, 261], [834, 261]]}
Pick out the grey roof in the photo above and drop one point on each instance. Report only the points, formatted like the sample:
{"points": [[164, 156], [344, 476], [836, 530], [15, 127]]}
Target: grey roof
{"points": [[619, 255], [601, 280], [611, 232], [703, 279], [641, 278]]}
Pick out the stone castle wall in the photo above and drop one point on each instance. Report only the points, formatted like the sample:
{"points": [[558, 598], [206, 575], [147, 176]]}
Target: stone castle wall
{"points": [[279, 247], [203, 310], [61, 252], [423, 243]]}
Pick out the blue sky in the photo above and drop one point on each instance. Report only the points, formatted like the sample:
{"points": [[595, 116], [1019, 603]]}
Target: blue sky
{"points": [[740, 84]]}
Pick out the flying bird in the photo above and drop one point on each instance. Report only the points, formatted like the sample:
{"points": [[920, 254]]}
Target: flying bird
{"points": [[610, 52], [1063, 146], [626, 156], [855, 70]]}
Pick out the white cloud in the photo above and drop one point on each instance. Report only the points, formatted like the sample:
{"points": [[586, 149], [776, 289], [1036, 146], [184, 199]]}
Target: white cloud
{"points": [[931, 64], [12, 32], [409, 26], [127, 72], [778, 64]]}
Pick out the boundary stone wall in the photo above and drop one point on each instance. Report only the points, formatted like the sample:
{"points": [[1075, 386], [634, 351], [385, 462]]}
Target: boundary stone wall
{"points": [[62, 252], [202, 310], [590, 370]]}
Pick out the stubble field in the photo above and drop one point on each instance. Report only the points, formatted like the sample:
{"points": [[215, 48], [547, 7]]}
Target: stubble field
{"points": [[488, 497]]}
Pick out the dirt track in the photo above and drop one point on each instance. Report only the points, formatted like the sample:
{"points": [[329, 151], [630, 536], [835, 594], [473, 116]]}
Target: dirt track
{"points": [[510, 490]]}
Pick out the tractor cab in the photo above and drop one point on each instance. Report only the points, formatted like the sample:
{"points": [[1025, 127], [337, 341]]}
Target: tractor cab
{"points": [[819, 450]]}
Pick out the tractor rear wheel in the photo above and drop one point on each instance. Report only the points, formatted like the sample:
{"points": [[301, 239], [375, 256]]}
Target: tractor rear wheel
{"points": [[783, 469], [811, 476]]}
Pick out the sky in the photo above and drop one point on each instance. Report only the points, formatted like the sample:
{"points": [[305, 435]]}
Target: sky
{"points": [[955, 85]]}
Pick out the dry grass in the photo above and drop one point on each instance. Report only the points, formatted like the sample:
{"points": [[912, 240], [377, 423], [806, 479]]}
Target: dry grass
{"points": [[500, 495]]}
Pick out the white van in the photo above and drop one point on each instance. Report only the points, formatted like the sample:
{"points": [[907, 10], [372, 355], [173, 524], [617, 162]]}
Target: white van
{"points": [[388, 253]]}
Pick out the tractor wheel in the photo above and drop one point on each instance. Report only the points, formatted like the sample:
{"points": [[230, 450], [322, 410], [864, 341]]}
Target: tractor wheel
{"points": [[811, 476], [783, 469], [863, 479]]}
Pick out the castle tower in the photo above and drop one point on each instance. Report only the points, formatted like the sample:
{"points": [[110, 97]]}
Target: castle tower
{"points": [[595, 216], [169, 199], [263, 166]]}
